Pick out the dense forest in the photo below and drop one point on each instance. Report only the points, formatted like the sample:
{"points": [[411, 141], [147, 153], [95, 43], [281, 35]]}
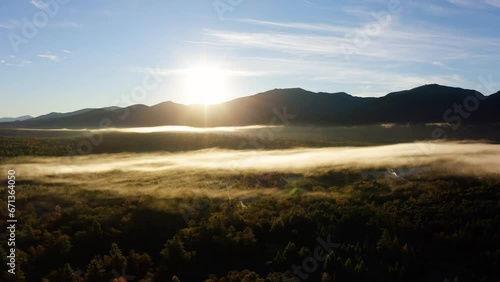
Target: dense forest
{"points": [[71, 144], [338, 226], [334, 225]]}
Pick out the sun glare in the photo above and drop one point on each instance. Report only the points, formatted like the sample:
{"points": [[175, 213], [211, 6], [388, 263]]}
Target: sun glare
{"points": [[205, 85]]}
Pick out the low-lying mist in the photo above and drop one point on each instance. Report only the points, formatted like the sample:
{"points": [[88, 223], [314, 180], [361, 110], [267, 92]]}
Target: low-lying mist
{"points": [[166, 128], [456, 157]]}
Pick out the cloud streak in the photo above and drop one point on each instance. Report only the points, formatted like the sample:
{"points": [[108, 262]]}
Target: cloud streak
{"points": [[392, 57], [300, 26], [392, 44], [12, 62], [477, 4], [50, 57], [184, 71], [8, 25], [39, 4]]}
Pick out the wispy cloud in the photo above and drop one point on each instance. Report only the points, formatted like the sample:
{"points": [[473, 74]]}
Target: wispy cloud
{"points": [[12, 62], [495, 3], [7, 26], [287, 42], [477, 4], [386, 62], [301, 26], [67, 51], [51, 57], [183, 71], [11, 24], [435, 9], [401, 43], [43, 5], [311, 4], [65, 24], [39, 4]]}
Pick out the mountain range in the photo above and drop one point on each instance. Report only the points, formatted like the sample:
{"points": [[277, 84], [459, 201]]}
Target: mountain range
{"points": [[10, 119], [430, 103]]}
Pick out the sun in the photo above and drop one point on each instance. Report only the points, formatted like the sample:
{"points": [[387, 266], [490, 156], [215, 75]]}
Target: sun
{"points": [[205, 84]]}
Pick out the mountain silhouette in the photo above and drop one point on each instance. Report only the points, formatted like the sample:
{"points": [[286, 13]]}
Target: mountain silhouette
{"points": [[425, 104], [61, 115], [10, 119]]}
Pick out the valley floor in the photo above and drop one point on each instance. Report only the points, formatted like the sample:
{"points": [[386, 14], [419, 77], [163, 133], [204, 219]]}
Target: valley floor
{"points": [[188, 207]]}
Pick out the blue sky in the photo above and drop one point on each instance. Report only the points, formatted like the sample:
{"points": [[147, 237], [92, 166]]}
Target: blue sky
{"points": [[96, 53]]}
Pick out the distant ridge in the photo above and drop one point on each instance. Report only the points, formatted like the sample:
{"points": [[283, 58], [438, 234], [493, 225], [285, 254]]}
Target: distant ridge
{"points": [[10, 119], [425, 104], [60, 115]]}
